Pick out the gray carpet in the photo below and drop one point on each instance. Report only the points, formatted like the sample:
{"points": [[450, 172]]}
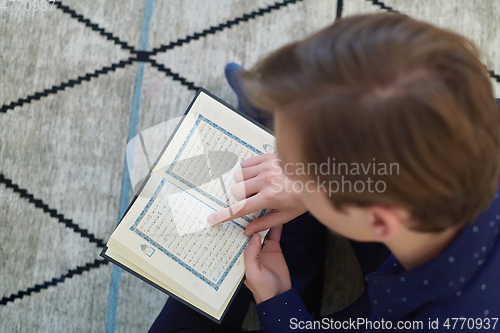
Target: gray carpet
{"points": [[76, 84]]}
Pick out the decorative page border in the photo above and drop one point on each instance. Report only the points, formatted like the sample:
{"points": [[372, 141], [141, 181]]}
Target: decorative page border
{"points": [[196, 188], [215, 285]]}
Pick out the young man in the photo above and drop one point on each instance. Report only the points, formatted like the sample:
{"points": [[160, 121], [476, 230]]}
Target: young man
{"points": [[386, 131]]}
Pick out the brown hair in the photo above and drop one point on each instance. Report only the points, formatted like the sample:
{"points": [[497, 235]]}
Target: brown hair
{"points": [[387, 89]]}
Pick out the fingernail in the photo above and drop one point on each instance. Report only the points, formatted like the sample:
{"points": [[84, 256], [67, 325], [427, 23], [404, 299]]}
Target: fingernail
{"points": [[211, 219], [255, 239]]}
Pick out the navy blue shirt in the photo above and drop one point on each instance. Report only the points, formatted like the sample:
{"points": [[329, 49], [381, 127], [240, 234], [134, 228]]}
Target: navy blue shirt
{"points": [[459, 288]]}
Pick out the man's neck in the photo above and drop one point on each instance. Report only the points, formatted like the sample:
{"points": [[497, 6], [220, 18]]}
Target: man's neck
{"points": [[413, 249]]}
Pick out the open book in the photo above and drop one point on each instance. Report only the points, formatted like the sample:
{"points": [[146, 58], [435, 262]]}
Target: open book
{"points": [[164, 238]]}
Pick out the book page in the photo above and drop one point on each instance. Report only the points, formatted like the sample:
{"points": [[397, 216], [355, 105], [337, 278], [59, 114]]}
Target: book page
{"points": [[207, 160], [174, 223]]}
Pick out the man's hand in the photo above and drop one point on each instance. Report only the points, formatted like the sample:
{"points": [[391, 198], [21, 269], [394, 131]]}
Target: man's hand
{"points": [[266, 270], [261, 184]]}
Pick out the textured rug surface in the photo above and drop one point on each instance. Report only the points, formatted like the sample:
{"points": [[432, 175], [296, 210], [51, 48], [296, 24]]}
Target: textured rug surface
{"points": [[79, 79]]}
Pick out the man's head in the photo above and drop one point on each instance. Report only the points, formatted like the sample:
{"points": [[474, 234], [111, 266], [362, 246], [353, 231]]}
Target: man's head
{"points": [[396, 101]]}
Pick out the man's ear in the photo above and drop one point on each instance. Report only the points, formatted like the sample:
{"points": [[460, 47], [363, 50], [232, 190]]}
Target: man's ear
{"points": [[385, 222]]}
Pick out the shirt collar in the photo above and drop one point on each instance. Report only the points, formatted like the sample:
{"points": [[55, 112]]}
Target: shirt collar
{"points": [[395, 293]]}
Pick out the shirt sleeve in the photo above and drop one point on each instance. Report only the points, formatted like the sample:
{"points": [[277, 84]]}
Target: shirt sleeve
{"points": [[287, 313], [283, 313]]}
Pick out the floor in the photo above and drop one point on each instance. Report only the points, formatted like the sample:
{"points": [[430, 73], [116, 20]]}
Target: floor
{"points": [[80, 79]]}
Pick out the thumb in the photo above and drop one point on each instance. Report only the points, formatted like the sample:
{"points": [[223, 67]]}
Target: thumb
{"points": [[251, 254]]}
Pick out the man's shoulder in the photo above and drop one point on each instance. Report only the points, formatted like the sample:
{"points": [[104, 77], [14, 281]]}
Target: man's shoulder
{"points": [[473, 297]]}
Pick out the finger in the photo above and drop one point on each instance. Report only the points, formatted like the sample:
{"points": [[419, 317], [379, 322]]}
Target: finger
{"points": [[267, 221], [256, 160], [247, 188], [275, 233], [251, 255], [247, 172], [239, 209]]}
